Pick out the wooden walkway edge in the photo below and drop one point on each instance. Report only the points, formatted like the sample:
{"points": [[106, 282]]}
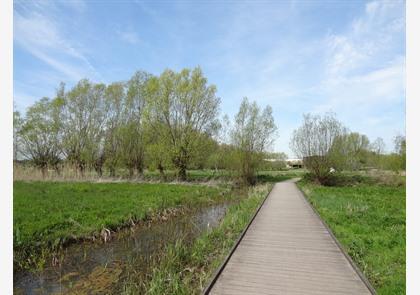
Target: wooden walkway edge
{"points": [[287, 249]]}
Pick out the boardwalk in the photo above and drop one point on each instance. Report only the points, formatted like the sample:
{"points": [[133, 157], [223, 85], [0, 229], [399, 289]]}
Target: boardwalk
{"points": [[288, 250]]}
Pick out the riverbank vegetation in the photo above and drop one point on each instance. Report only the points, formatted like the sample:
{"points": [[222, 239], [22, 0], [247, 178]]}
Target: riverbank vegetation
{"points": [[48, 215], [186, 267], [367, 215]]}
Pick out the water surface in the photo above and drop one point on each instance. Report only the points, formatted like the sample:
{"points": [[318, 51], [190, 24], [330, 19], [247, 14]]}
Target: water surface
{"points": [[93, 267]]}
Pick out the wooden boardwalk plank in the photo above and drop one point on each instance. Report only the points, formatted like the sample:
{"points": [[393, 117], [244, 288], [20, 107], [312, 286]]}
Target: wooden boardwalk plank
{"points": [[288, 250]]}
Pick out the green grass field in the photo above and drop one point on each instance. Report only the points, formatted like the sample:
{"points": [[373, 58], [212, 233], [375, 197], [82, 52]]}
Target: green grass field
{"points": [[369, 221], [47, 214]]}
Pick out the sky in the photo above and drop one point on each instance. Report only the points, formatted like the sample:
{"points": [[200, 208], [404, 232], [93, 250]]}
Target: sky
{"points": [[346, 57]]}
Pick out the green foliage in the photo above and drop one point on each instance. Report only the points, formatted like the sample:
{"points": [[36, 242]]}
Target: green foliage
{"points": [[393, 162], [314, 140], [324, 143], [251, 135], [83, 116], [181, 107], [39, 133], [369, 221], [114, 129], [400, 149], [134, 129], [17, 129], [349, 151], [274, 162], [272, 176], [150, 122]]}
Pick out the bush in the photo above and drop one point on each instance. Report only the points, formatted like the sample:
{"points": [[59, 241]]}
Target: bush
{"points": [[338, 179]]}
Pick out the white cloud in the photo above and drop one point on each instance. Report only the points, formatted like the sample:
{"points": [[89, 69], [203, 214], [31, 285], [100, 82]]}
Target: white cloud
{"points": [[376, 88], [370, 38], [37, 33], [364, 72], [365, 67]]}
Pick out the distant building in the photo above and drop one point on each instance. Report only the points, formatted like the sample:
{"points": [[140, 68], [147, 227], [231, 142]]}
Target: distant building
{"points": [[294, 163], [272, 160]]}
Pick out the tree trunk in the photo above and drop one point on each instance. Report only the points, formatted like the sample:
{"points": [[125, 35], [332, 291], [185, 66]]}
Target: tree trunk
{"points": [[81, 167], [139, 167], [112, 171], [161, 170], [98, 169], [57, 170], [130, 171], [44, 171], [98, 165], [181, 163], [182, 173]]}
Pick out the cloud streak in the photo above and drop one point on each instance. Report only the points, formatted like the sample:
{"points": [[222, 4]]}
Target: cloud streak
{"points": [[38, 34], [364, 72]]}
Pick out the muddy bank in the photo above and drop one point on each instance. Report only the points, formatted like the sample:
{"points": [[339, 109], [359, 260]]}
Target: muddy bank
{"points": [[96, 267]]}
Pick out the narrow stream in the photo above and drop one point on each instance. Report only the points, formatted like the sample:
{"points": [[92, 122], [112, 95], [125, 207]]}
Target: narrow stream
{"points": [[92, 267]]}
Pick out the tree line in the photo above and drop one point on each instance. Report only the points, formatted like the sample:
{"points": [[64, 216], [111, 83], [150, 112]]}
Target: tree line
{"points": [[327, 146], [172, 122], [169, 121]]}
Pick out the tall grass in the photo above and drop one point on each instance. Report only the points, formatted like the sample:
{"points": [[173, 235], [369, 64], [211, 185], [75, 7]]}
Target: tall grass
{"points": [[26, 172], [68, 173], [186, 267], [368, 218]]}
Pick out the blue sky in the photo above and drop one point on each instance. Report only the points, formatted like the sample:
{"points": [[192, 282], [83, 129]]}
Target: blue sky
{"points": [[297, 56]]}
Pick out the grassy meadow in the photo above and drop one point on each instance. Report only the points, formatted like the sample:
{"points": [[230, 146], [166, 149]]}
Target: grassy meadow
{"points": [[48, 214], [368, 219]]}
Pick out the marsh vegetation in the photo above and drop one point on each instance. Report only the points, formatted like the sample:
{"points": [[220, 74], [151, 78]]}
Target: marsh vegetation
{"points": [[126, 234]]}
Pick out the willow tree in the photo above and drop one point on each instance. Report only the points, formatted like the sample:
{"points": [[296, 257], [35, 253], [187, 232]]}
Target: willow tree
{"points": [[253, 132], [83, 117], [133, 129], [156, 152], [400, 149], [40, 134], [180, 108], [313, 141], [17, 127], [114, 101], [350, 151]]}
